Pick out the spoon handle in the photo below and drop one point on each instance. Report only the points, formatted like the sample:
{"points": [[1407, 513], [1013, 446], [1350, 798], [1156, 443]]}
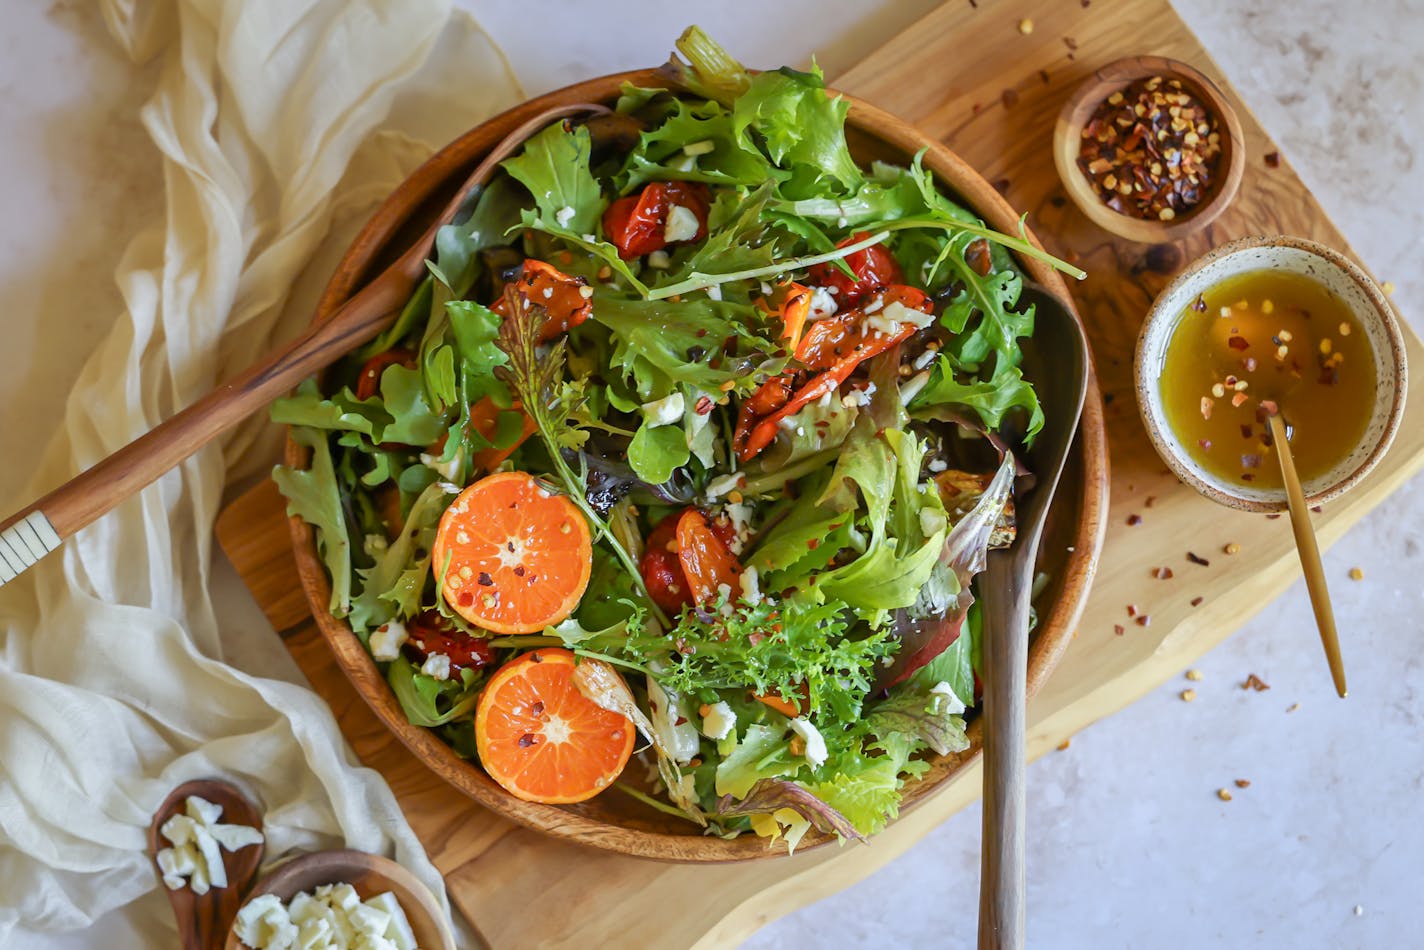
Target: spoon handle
{"points": [[1309, 552], [1005, 663]]}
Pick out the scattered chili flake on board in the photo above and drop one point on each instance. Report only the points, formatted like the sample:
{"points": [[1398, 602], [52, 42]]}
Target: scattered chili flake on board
{"points": [[1144, 620], [1197, 601], [1134, 520], [1150, 150], [1151, 499], [1119, 629], [1132, 610], [1162, 573], [1255, 682], [1198, 559], [1243, 783], [1273, 159]]}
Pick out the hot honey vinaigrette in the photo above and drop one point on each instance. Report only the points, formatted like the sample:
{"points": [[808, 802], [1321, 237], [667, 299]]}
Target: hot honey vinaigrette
{"points": [[1256, 342]]}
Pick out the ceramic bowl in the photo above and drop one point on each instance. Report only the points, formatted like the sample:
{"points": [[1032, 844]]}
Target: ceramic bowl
{"points": [[1068, 136], [1343, 279], [617, 822]]}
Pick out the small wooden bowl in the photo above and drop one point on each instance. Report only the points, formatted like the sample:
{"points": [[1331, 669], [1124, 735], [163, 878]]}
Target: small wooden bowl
{"points": [[1341, 277], [613, 821], [370, 874], [1068, 136]]}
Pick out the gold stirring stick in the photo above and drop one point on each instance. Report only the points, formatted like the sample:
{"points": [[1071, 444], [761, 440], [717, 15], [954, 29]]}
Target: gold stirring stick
{"points": [[1309, 553]]}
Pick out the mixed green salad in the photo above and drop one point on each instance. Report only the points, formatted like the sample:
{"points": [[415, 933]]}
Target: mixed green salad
{"points": [[769, 381]]}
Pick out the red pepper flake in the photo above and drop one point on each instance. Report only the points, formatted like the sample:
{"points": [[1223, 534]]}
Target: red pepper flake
{"points": [[1255, 682], [1273, 517], [535, 657], [1144, 620], [1273, 159], [1205, 444], [704, 405], [680, 721], [1132, 610], [1198, 559], [1247, 477], [1238, 343], [1197, 601], [813, 543], [1150, 499], [1247, 431], [1134, 520], [1162, 573], [1119, 629], [1199, 305], [1316, 508], [1043, 74]]}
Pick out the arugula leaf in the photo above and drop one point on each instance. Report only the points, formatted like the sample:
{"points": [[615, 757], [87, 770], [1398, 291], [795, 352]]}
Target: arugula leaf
{"points": [[656, 451], [554, 167], [314, 496], [393, 585], [429, 702], [497, 209]]}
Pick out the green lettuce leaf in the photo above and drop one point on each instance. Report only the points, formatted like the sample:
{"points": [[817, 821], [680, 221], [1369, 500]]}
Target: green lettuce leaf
{"points": [[314, 496], [554, 167], [429, 702], [799, 125], [761, 753], [391, 588]]}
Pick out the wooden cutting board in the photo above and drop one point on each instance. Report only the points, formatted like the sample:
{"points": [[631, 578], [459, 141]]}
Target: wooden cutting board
{"points": [[971, 77]]}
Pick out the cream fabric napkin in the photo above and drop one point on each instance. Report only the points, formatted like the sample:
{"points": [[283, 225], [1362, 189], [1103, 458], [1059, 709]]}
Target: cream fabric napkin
{"points": [[280, 124]]}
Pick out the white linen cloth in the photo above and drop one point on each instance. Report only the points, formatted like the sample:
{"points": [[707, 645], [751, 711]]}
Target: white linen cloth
{"points": [[280, 124]]}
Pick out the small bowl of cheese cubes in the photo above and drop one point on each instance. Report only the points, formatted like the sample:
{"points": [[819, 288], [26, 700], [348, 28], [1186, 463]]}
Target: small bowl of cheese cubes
{"points": [[340, 899]]}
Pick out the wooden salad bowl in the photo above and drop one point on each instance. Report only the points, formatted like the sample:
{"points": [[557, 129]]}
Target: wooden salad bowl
{"points": [[614, 822]]}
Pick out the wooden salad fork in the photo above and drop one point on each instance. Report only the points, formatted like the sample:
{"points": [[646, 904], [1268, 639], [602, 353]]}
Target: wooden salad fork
{"points": [[1056, 361], [34, 531]]}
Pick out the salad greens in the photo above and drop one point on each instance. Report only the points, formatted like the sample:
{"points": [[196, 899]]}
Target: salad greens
{"points": [[761, 372]]}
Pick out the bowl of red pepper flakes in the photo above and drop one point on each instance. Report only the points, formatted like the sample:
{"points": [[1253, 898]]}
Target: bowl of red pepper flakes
{"points": [[1149, 149]]}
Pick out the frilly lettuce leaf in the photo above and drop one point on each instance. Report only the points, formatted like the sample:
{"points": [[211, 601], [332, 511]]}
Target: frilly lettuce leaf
{"points": [[429, 702], [791, 807], [391, 588], [314, 496]]}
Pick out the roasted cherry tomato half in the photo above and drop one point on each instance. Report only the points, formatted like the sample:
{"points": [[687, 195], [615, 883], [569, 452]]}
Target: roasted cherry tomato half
{"points": [[638, 224], [686, 557], [874, 267], [431, 633], [567, 300]]}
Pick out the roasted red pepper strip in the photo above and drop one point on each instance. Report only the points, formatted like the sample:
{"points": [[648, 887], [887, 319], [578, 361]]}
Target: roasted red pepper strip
{"points": [[795, 307], [706, 559], [837, 351], [368, 383], [874, 267], [768, 398], [561, 296], [431, 633], [637, 224]]}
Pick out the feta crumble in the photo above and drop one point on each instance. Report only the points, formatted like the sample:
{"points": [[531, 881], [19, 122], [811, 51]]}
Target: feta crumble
{"points": [[197, 841], [681, 225], [699, 148], [665, 411], [330, 916], [387, 640], [953, 704], [659, 260], [436, 665], [823, 304], [719, 720], [564, 215], [816, 752]]}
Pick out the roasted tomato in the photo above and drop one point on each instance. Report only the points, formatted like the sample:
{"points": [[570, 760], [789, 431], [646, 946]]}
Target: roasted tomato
{"points": [[686, 557], [874, 268], [638, 224], [567, 300], [431, 633], [368, 384]]}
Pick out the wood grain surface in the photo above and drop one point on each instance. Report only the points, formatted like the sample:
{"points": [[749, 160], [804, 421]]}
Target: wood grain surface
{"points": [[949, 74]]}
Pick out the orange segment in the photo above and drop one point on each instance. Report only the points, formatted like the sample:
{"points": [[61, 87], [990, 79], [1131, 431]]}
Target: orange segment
{"points": [[544, 741], [516, 556]]}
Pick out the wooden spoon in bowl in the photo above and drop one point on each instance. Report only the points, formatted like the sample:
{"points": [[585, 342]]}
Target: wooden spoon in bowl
{"points": [[204, 919], [1056, 361], [33, 532]]}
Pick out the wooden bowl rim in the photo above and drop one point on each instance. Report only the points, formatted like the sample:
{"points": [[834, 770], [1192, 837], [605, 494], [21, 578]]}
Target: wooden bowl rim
{"points": [[1056, 625], [1219, 491], [420, 906], [1067, 138]]}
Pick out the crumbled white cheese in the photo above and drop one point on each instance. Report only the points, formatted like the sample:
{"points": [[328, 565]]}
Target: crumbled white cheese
{"points": [[564, 215], [953, 704], [900, 313], [387, 639], [750, 583], [659, 260], [714, 292], [681, 225], [198, 841], [856, 398], [740, 514], [823, 304], [722, 484], [436, 665], [875, 306], [665, 411], [925, 359], [451, 469], [938, 465], [332, 916], [589, 238], [911, 387], [880, 324], [931, 521], [699, 148], [816, 753], [720, 720]]}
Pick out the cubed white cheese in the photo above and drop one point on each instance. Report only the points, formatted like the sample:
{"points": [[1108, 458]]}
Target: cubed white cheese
{"points": [[720, 720], [387, 640], [304, 907], [665, 411], [659, 260], [448, 470], [931, 521], [436, 665], [900, 313], [925, 359], [233, 837], [210, 853], [313, 934], [564, 215], [178, 829], [369, 920], [815, 744], [399, 931], [173, 882], [822, 304], [699, 148], [740, 514], [722, 484], [176, 862], [714, 292], [952, 703], [202, 811], [938, 465], [251, 924], [344, 897], [751, 585], [198, 880], [681, 225]]}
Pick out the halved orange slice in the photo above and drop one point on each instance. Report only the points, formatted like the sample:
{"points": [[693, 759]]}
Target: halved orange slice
{"points": [[515, 555], [541, 739]]}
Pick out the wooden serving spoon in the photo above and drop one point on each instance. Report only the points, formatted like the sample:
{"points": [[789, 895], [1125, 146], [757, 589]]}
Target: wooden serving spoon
{"points": [[36, 530], [1056, 361], [205, 919], [1309, 552]]}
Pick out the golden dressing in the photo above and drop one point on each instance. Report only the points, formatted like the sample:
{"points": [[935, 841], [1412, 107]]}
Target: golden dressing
{"points": [[1259, 338]]}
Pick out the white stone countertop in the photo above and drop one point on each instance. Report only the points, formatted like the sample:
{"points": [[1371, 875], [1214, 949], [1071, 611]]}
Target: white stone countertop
{"points": [[1129, 844]]}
